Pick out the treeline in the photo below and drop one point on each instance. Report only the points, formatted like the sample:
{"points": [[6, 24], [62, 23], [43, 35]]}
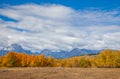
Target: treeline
{"points": [[106, 58]]}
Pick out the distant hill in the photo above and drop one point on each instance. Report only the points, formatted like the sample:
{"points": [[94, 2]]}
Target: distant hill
{"points": [[47, 52], [14, 47], [67, 54]]}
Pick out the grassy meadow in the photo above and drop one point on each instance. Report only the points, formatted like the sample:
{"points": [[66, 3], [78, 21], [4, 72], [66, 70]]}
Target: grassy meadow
{"points": [[59, 73]]}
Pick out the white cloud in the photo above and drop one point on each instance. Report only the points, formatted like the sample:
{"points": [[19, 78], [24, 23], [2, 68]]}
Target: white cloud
{"points": [[112, 40], [58, 27]]}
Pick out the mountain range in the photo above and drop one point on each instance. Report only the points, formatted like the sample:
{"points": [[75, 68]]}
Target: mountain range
{"points": [[47, 52]]}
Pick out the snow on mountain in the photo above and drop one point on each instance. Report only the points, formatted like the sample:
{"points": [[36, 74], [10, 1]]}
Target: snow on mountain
{"points": [[67, 54], [47, 52], [14, 47]]}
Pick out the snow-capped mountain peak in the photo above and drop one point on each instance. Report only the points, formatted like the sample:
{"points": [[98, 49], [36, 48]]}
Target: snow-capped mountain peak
{"points": [[47, 52], [13, 47]]}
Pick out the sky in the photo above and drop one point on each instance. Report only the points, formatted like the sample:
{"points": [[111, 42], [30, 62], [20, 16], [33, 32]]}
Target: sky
{"points": [[60, 24]]}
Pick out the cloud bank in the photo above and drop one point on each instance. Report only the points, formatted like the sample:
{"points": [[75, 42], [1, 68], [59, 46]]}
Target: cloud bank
{"points": [[58, 27]]}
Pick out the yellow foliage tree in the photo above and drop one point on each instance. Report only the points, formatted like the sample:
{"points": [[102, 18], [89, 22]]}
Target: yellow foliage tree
{"points": [[42, 60], [1, 60], [106, 58], [24, 60], [10, 60]]}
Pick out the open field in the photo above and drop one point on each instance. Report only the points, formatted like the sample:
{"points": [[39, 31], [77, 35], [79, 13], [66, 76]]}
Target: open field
{"points": [[59, 73]]}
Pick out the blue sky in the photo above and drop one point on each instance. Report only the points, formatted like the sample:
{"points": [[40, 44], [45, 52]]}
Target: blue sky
{"points": [[60, 24], [78, 4]]}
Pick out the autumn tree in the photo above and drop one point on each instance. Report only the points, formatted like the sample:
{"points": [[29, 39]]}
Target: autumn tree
{"points": [[116, 58], [42, 60], [106, 58], [84, 63], [92, 61], [30, 61], [24, 60], [1, 60], [35, 62], [50, 61], [10, 60]]}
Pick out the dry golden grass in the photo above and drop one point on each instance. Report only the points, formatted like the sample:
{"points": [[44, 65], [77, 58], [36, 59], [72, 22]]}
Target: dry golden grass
{"points": [[59, 73]]}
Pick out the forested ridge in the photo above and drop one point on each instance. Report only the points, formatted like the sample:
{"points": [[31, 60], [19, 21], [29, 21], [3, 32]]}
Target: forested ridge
{"points": [[106, 58]]}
